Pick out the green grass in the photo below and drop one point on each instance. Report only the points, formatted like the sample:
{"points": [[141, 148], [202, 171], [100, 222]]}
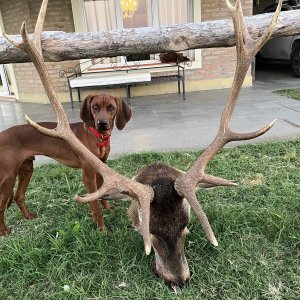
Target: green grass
{"points": [[291, 93], [257, 225]]}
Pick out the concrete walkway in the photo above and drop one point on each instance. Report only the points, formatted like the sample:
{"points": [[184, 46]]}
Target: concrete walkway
{"points": [[166, 122]]}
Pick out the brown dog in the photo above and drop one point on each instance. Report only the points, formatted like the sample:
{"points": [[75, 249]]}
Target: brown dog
{"points": [[19, 145]]}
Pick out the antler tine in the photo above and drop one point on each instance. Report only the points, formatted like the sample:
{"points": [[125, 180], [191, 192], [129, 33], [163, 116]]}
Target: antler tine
{"points": [[39, 26], [236, 13], [243, 60], [37, 59], [265, 37], [39, 128], [192, 199], [112, 180], [210, 181], [13, 42], [246, 48], [245, 52], [251, 135]]}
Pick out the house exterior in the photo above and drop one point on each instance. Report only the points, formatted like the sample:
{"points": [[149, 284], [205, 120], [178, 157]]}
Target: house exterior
{"points": [[210, 69]]}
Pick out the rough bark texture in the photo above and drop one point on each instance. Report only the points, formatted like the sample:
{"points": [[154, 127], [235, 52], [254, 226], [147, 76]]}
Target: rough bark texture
{"points": [[61, 46]]}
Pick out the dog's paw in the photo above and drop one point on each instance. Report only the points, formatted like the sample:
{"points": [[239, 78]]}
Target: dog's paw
{"points": [[101, 226], [5, 231], [98, 220], [106, 205], [31, 216]]}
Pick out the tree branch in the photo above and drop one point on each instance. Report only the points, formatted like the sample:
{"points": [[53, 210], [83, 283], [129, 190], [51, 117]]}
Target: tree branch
{"points": [[61, 46]]}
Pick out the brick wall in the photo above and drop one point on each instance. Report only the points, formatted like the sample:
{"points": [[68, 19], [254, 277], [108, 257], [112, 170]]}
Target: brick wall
{"points": [[217, 63], [59, 17]]}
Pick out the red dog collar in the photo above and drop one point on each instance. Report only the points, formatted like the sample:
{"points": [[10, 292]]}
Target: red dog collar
{"points": [[104, 139]]}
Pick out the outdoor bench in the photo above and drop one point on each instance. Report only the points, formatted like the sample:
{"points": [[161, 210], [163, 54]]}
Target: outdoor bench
{"points": [[125, 76]]}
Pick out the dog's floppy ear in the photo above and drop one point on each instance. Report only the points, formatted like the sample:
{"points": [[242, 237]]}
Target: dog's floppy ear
{"points": [[85, 111], [123, 113]]}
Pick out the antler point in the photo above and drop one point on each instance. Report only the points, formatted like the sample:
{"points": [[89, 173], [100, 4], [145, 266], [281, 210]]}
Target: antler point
{"points": [[11, 40], [215, 243], [148, 249], [274, 121], [272, 124], [23, 26], [27, 119]]}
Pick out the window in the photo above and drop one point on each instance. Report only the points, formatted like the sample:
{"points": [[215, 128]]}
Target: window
{"points": [[108, 15]]}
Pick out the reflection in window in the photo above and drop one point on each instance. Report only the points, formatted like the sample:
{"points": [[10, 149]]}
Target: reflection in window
{"points": [[142, 17]]}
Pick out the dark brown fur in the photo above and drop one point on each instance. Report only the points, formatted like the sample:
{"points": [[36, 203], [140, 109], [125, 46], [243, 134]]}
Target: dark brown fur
{"points": [[19, 145], [173, 57], [169, 216]]}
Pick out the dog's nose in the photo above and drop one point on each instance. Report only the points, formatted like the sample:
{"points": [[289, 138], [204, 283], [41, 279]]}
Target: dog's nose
{"points": [[102, 124]]}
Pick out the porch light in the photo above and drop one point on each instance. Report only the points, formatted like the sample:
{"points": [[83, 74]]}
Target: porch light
{"points": [[128, 8]]}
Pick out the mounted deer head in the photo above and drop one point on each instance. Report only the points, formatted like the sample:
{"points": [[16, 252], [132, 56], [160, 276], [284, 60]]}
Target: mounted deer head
{"points": [[184, 183]]}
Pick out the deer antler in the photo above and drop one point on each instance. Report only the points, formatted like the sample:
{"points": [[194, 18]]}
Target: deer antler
{"points": [[246, 49], [112, 180]]}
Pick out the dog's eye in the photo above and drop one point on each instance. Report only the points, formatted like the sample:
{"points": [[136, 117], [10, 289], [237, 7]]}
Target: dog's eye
{"points": [[95, 107], [110, 109]]}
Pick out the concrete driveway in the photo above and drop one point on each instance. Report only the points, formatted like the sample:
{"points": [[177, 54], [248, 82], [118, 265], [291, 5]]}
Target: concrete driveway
{"points": [[166, 122]]}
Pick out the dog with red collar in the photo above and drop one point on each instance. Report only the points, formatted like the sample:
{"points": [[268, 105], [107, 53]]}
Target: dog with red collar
{"points": [[20, 144], [103, 142]]}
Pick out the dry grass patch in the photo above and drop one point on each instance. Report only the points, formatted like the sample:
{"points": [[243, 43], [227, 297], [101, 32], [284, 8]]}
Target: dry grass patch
{"points": [[259, 179]]}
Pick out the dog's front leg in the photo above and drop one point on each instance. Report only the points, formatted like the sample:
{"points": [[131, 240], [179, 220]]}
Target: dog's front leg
{"points": [[104, 203], [24, 175], [90, 182]]}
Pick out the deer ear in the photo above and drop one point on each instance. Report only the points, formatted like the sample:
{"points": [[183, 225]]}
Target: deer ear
{"points": [[123, 113], [85, 111]]}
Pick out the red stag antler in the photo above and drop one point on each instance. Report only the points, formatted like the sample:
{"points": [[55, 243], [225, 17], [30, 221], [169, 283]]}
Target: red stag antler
{"points": [[112, 180], [246, 49]]}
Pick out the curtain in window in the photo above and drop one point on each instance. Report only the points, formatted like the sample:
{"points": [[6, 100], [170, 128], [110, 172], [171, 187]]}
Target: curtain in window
{"points": [[172, 12], [100, 15]]}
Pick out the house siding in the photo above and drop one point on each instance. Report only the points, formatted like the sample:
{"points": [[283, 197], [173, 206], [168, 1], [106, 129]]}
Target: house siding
{"points": [[217, 66], [58, 18]]}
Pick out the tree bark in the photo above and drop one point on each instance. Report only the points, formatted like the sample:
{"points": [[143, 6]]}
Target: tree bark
{"points": [[61, 46]]}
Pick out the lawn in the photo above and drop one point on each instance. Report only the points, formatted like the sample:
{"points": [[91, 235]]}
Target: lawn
{"points": [[61, 255], [291, 93]]}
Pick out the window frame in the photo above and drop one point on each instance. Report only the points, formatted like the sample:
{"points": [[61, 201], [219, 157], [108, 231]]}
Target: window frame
{"points": [[8, 78], [80, 24]]}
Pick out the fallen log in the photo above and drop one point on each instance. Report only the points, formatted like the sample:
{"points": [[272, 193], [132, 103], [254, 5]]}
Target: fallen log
{"points": [[62, 46]]}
